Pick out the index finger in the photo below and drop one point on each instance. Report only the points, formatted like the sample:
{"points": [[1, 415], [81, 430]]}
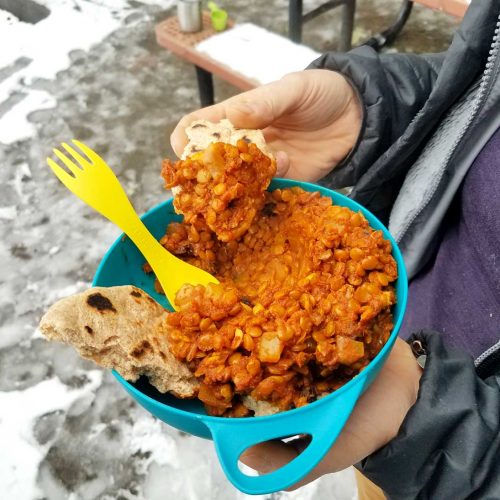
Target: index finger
{"points": [[272, 455]]}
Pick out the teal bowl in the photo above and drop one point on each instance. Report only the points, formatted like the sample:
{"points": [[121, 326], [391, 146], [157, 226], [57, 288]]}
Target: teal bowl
{"points": [[323, 420]]}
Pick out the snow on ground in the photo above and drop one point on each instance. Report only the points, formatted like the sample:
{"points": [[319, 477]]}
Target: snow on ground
{"points": [[43, 49], [20, 411], [7, 18]]}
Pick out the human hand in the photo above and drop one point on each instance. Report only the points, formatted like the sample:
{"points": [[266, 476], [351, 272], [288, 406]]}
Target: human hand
{"points": [[311, 118], [374, 422]]}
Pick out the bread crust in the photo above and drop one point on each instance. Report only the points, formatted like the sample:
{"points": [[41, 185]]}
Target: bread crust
{"points": [[121, 328]]}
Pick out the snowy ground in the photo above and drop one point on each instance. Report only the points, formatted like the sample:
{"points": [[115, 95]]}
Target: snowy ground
{"points": [[92, 70]]}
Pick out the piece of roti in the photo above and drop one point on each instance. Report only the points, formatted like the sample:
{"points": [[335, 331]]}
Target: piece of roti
{"points": [[121, 328], [260, 408], [202, 133]]}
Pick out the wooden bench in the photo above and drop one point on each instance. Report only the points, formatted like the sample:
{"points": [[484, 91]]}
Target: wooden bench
{"points": [[209, 62], [170, 36], [455, 8]]}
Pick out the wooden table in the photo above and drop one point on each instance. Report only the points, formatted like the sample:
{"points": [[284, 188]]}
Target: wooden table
{"points": [[170, 36], [455, 8]]}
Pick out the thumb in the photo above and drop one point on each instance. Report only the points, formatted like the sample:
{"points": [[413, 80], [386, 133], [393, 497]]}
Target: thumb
{"points": [[269, 456]]}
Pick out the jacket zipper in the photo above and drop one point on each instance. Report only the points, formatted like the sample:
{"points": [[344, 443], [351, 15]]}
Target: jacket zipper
{"points": [[488, 362], [419, 350], [478, 102], [483, 87]]}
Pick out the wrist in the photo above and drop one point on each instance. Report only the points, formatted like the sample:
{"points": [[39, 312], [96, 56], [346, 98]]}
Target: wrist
{"points": [[406, 374]]}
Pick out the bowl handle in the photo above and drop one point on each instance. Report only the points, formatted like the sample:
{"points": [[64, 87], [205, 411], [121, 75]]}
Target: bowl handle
{"points": [[322, 422]]}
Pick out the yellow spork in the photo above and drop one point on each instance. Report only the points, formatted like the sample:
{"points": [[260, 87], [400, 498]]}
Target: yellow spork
{"points": [[96, 184]]}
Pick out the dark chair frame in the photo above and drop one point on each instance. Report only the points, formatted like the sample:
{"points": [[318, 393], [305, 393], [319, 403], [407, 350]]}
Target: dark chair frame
{"points": [[388, 36], [296, 18]]}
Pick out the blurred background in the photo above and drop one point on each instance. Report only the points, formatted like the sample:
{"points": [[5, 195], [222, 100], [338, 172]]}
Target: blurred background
{"points": [[93, 70]]}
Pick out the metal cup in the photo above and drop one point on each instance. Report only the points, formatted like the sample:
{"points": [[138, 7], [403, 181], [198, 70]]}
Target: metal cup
{"points": [[189, 15]]}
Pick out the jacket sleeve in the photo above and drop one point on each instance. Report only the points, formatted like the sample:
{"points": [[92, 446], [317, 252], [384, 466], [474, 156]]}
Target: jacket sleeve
{"points": [[449, 444], [393, 88]]}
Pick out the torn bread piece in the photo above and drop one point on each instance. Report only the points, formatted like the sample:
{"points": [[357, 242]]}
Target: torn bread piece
{"points": [[121, 328], [202, 133], [260, 408]]}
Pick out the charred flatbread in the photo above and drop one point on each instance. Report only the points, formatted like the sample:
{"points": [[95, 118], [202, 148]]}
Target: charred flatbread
{"points": [[121, 328]]}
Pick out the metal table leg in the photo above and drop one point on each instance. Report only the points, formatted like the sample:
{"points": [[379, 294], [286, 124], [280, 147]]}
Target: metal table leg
{"points": [[295, 20], [348, 11], [205, 86]]}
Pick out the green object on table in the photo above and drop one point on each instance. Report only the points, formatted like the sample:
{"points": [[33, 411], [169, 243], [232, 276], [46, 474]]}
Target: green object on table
{"points": [[218, 17]]}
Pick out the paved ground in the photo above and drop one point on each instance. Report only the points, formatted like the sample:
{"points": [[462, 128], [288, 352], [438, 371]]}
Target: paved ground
{"points": [[72, 432]]}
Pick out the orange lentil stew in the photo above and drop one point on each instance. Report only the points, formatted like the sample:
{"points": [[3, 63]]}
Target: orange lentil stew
{"points": [[305, 295], [222, 188]]}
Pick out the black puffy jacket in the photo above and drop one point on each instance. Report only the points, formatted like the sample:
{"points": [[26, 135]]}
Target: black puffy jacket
{"points": [[449, 444]]}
